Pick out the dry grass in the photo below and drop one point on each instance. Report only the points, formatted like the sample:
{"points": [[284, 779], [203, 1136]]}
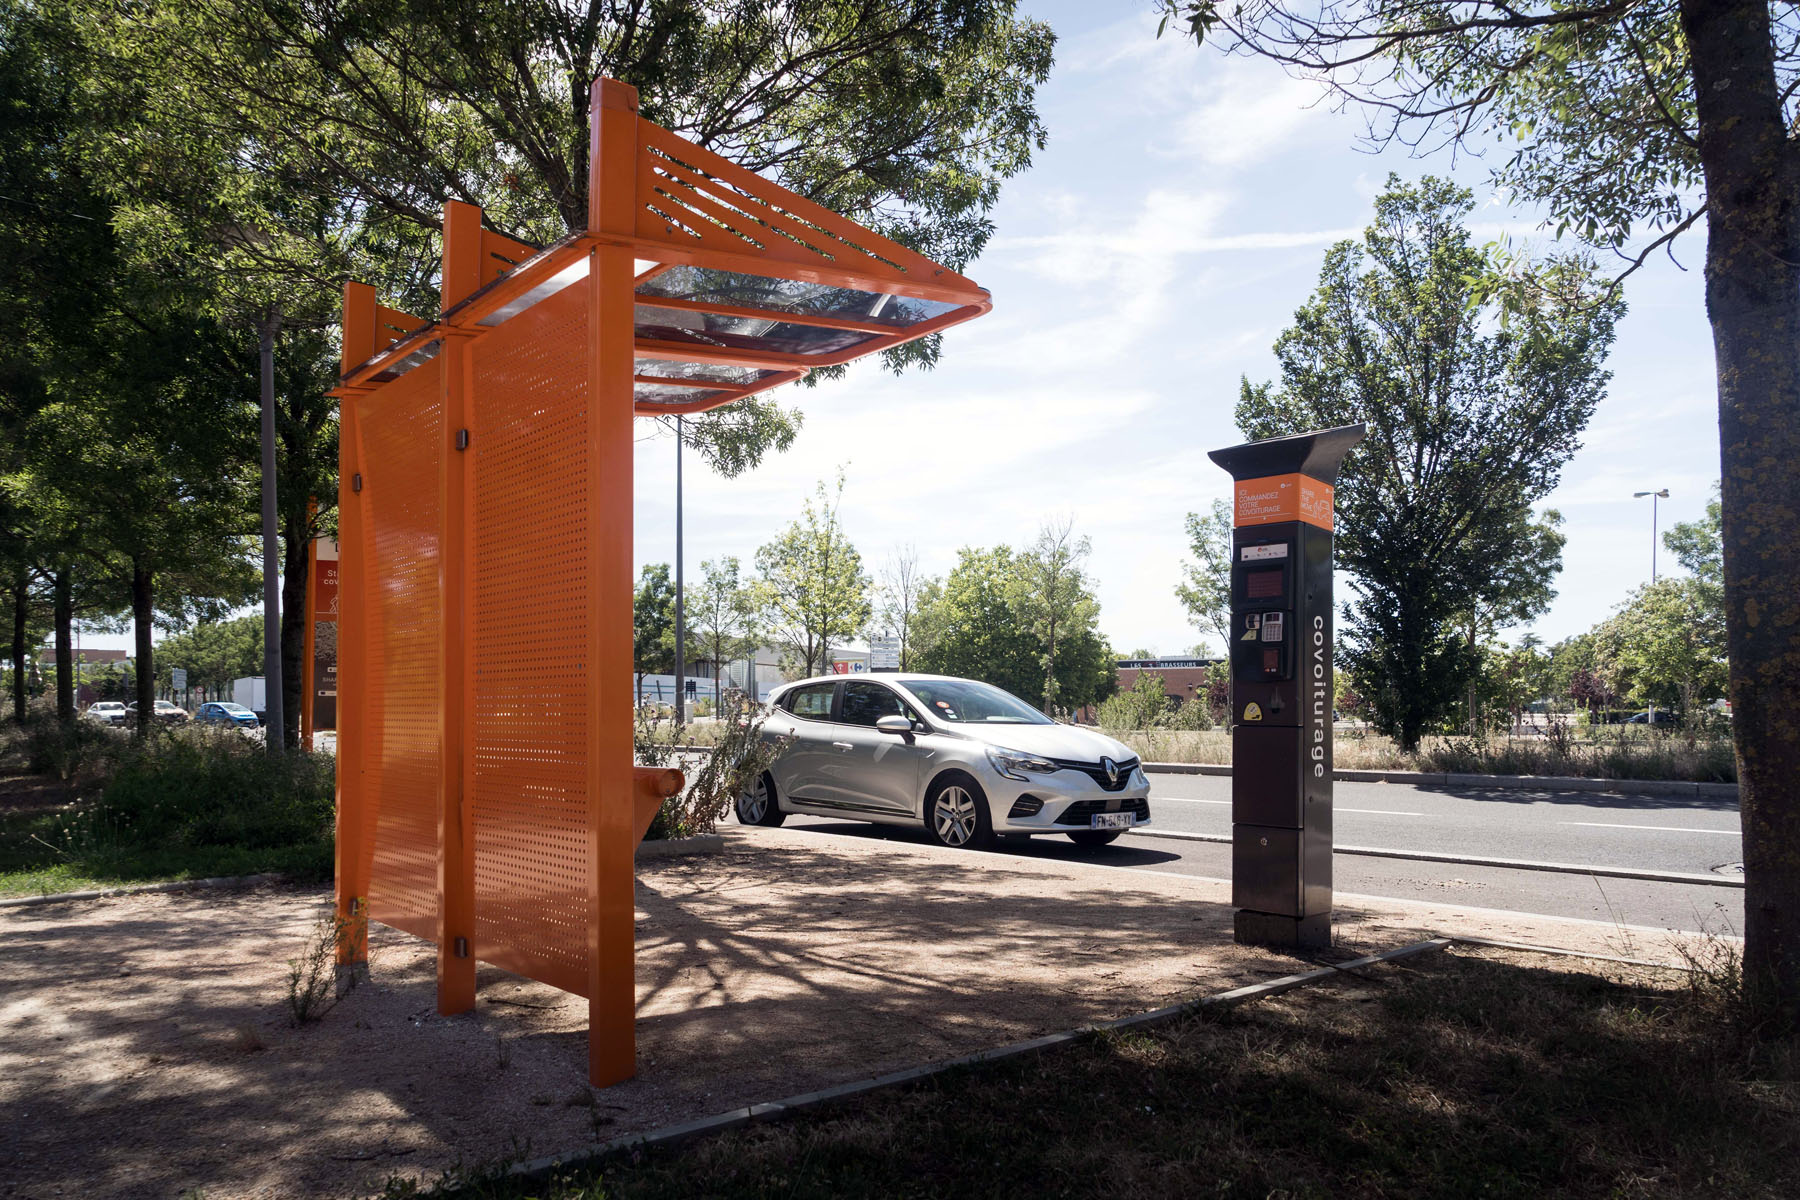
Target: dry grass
{"points": [[1607, 754], [1479, 1074]]}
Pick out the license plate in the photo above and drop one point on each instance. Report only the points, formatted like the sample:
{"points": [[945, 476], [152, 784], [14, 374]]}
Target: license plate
{"points": [[1110, 821]]}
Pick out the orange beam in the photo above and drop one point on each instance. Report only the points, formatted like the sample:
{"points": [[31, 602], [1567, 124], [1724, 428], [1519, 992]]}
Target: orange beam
{"points": [[352, 850]]}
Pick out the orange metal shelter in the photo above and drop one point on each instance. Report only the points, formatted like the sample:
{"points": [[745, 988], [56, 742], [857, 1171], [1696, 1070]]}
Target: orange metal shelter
{"points": [[487, 798]]}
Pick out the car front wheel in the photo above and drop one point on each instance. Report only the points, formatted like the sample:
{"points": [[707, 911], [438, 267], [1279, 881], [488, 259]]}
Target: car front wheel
{"points": [[756, 805], [1094, 837], [956, 815]]}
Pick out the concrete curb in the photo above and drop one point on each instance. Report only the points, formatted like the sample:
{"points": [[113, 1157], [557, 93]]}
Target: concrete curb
{"points": [[179, 885], [1502, 783], [671, 1135], [1515, 864], [704, 843]]}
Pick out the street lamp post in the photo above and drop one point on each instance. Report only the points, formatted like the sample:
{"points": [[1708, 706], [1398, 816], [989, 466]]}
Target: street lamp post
{"points": [[1660, 494]]}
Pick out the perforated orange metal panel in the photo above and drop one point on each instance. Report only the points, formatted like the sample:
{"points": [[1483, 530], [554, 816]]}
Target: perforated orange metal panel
{"points": [[531, 724], [402, 436]]}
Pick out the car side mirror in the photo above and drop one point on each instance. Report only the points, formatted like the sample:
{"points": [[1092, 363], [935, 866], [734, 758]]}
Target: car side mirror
{"points": [[894, 723]]}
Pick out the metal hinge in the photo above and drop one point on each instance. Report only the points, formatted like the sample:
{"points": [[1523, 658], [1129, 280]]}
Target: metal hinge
{"points": [[356, 482], [462, 947], [462, 439]]}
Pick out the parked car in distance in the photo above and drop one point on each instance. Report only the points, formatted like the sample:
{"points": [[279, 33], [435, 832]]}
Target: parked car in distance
{"points": [[165, 711], [964, 760], [224, 712], [1658, 716], [107, 712]]}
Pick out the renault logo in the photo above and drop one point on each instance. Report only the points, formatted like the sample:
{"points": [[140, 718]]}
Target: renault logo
{"points": [[1111, 768]]}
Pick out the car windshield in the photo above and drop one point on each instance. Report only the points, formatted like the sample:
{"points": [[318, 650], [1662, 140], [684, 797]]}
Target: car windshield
{"points": [[234, 708], [965, 702]]}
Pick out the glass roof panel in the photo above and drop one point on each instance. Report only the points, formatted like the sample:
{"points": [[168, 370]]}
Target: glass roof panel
{"points": [[790, 296], [657, 393], [704, 372], [742, 333]]}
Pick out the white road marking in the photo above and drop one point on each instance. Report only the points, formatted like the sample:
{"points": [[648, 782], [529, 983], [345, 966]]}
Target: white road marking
{"points": [[1659, 828], [1380, 812]]}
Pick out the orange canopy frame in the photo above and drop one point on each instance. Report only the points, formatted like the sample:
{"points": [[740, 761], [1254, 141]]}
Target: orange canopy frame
{"points": [[487, 798]]}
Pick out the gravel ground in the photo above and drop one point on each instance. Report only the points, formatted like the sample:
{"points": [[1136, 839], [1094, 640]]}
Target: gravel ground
{"points": [[146, 1047]]}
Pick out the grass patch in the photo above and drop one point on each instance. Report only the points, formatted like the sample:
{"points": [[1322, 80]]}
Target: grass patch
{"points": [[103, 810], [1479, 1074]]}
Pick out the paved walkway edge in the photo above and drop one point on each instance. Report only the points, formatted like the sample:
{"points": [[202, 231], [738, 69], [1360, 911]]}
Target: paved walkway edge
{"points": [[177, 885], [670, 1135], [1533, 783], [1514, 864]]}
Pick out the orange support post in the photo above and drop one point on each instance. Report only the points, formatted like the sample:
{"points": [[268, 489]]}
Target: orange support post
{"points": [[353, 810], [456, 839], [612, 982]]}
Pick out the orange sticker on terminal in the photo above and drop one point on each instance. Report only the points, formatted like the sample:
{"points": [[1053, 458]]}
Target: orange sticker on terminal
{"points": [[1276, 498]]}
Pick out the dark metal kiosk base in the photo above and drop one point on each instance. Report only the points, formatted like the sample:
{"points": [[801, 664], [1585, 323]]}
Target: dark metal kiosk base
{"points": [[1282, 685], [1250, 928]]}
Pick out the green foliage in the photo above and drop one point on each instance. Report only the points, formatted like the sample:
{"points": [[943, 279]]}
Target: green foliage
{"points": [[738, 755], [970, 625], [1054, 596], [1666, 645], [1699, 545], [721, 614], [653, 622], [204, 789], [213, 653], [1205, 590], [1144, 707], [810, 588], [1470, 422]]}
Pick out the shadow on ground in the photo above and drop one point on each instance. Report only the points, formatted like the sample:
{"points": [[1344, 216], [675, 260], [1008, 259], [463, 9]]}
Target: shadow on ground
{"points": [[146, 1047]]}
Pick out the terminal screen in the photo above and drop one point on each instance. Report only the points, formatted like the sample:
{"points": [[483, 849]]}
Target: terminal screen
{"points": [[1260, 585]]}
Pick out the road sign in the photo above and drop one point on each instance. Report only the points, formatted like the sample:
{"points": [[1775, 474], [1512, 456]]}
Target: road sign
{"points": [[178, 678], [884, 654]]}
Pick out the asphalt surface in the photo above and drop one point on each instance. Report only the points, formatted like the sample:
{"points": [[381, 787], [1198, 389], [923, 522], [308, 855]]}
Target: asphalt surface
{"points": [[1684, 834]]}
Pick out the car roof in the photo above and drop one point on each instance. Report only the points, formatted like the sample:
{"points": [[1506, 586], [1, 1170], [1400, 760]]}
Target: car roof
{"points": [[875, 677]]}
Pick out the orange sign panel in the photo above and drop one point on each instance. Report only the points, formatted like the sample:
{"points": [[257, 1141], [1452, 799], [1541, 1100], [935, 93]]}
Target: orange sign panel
{"points": [[1283, 498]]}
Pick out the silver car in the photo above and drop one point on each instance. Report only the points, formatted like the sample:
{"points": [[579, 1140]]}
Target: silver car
{"points": [[963, 759]]}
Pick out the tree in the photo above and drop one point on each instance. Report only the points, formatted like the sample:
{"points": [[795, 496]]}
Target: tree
{"points": [[1525, 555], [905, 115], [719, 615], [1470, 422], [970, 625], [811, 589], [1651, 115], [1206, 590], [900, 591], [1054, 596], [652, 624], [1698, 545], [1666, 645]]}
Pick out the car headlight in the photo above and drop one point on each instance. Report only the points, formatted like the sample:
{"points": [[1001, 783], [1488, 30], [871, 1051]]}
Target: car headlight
{"points": [[1016, 764]]}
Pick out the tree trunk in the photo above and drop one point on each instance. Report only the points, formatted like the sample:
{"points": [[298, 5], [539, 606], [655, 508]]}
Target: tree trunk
{"points": [[21, 611], [64, 606], [294, 572], [1753, 301], [142, 595]]}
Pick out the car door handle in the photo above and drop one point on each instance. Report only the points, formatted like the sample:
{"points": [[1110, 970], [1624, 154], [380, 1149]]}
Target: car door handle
{"points": [[845, 745]]}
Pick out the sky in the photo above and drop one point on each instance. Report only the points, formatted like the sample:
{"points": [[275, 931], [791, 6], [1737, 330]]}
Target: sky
{"points": [[1140, 269]]}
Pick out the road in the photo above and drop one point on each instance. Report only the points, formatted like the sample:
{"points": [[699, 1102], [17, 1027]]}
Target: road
{"points": [[1682, 834]]}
